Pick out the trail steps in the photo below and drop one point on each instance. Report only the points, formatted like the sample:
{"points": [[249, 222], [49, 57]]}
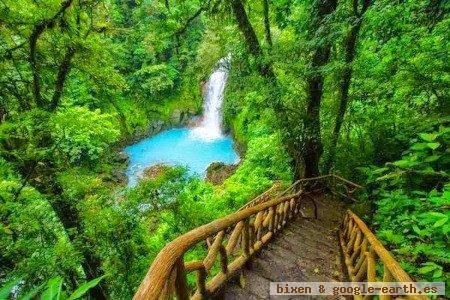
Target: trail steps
{"points": [[306, 250]]}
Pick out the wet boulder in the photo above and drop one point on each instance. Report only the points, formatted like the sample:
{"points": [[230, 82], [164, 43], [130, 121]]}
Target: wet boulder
{"points": [[217, 172], [121, 157], [153, 171]]}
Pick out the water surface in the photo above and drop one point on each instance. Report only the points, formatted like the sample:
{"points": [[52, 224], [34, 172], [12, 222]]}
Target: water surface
{"points": [[178, 147], [194, 148]]}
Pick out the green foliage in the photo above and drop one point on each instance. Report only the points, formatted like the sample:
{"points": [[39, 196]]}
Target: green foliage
{"points": [[84, 288], [33, 244], [105, 72], [61, 213], [399, 85], [424, 165], [155, 80], [52, 290], [412, 197], [83, 135]]}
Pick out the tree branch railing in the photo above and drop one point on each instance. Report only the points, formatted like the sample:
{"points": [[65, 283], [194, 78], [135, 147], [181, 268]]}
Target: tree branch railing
{"points": [[335, 184], [226, 244], [231, 241], [363, 252]]}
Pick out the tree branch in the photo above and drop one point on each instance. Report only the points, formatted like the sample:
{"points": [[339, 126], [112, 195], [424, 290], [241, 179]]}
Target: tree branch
{"points": [[268, 34], [35, 34], [183, 29], [63, 71]]}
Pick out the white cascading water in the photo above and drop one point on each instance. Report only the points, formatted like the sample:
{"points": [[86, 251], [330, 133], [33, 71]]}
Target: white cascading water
{"points": [[210, 127]]}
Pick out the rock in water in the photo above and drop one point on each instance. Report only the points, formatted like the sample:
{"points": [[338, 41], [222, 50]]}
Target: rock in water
{"points": [[153, 171], [217, 172], [121, 157]]}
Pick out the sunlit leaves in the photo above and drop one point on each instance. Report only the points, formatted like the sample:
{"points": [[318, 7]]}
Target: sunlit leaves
{"points": [[412, 198], [155, 80], [83, 135]]}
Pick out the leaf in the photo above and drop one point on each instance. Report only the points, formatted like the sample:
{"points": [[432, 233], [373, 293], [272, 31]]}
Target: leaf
{"points": [[82, 289], [434, 214], [432, 158], [7, 230], [33, 293], [403, 163], [417, 230], [53, 290], [427, 269], [429, 137], [433, 146], [440, 222], [6, 289], [419, 146], [391, 175], [437, 273], [380, 171]]}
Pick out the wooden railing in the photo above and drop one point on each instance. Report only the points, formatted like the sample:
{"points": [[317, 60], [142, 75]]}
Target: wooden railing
{"points": [[226, 244], [363, 252], [331, 183], [266, 196], [230, 242]]}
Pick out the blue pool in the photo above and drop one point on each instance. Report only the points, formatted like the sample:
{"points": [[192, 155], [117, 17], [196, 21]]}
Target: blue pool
{"points": [[178, 147]]}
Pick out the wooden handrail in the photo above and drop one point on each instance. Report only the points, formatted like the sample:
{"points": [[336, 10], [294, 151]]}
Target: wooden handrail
{"points": [[231, 241], [362, 251], [329, 180], [265, 196], [274, 213]]}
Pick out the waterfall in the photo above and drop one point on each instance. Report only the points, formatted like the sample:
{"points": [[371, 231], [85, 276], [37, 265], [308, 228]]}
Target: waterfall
{"points": [[210, 127]]}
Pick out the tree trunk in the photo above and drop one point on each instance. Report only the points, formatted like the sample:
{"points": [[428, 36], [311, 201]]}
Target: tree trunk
{"points": [[313, 148], [122, 118], [313, 143], [251, 39], [350, 51], [70, 220], [63, 71], [267, 32], [37, 31]]}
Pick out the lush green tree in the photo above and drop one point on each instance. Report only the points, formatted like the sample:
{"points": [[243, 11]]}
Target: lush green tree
{"points": [[82, 135], [354, 79]]}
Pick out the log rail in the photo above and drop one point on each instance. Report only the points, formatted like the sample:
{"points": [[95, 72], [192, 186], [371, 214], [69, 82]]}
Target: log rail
{"points": [[229, 242], [233, 239], [362, 252]]}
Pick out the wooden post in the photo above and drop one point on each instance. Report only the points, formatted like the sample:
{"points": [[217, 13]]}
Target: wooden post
{"points": [[245, 239], [371, 275], [272, 219], [280, 215], [201, 282], [223, 259], [387, 277], [180, 281]]}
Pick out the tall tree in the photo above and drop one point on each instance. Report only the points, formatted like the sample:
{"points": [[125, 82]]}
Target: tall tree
{"points": [[46, 71], [320, 52], [251, 40], [350, 50], [37, 31], [267, 31], [63, 71]]}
